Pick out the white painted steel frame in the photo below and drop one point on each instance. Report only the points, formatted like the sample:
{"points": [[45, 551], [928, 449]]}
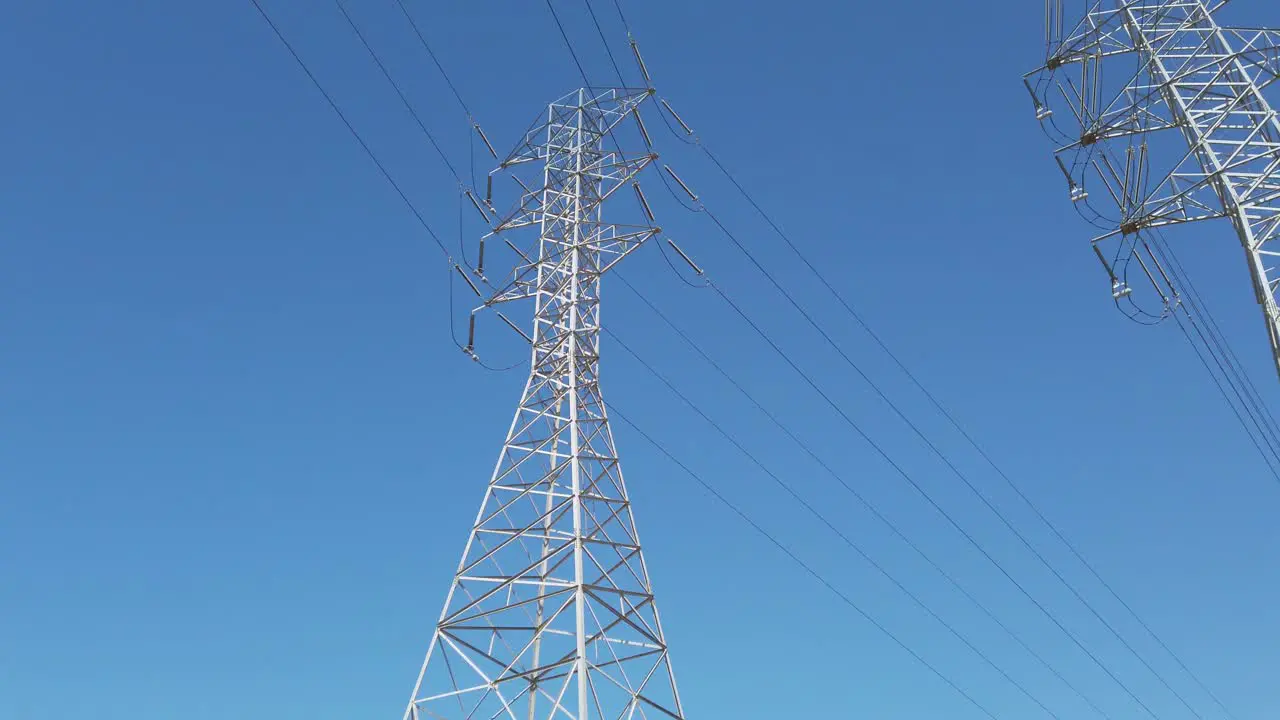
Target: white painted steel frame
{"points": [[1206, 81], [551, 613]]}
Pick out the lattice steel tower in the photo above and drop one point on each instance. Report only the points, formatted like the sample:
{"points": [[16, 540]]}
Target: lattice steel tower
{"points": [[551, 613], [1162, 118]]}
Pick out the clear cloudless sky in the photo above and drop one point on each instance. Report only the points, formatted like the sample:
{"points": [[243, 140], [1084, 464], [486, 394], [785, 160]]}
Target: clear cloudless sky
{"points": [[239, 453]]}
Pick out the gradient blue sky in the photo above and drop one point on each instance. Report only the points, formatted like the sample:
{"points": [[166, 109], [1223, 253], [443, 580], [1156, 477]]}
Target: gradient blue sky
{"points": [[239, 454]]}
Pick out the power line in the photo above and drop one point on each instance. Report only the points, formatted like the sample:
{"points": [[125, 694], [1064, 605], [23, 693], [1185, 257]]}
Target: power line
{"points": [[949, 416], [1196, 307], [742, 515], [1208, 89], [622, 82], [1206, 343], [1217, 381], [351, 128], [1220, 352], [422, 39], [622, 16], [955, 424], [1224, 357], [454, 266], [576, 60], [395, 185], [400, 93], [824, 520], [925, 494], [848, 487], [949, 463], [1201, 308], [764, 468], [586, 80], [568, 44], [702, 208], [435, 59]]}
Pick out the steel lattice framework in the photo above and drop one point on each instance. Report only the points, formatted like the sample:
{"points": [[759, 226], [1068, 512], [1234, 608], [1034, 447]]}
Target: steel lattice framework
{"points": [[551, 613], [1167, 122]]}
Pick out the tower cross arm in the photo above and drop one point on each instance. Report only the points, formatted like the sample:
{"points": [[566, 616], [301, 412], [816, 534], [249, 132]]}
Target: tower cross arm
{"points": [[611, 171], [551, 614], [611, 107], [612, 246]]}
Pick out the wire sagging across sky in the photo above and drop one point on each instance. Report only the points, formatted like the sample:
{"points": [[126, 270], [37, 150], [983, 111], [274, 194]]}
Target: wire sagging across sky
{"points": [[797, 307]]}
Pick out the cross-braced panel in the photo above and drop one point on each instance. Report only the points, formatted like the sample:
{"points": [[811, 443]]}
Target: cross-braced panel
{"points": [[552, 613], [1162, 119]]}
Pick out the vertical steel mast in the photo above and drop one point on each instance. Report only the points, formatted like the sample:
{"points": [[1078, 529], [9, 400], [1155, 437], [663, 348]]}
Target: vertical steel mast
{"points": [[1110, 91], [551, 613]]}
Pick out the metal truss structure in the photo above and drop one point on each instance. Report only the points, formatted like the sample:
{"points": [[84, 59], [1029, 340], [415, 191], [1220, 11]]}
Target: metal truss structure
{"points": [[1161, 118], [551, 613]]}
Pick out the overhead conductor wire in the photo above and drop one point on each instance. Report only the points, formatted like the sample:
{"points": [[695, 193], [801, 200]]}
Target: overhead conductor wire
{"points": [[1214, 344], [845, 598], [1205, 338], [453, 264], [435, 237], [1230, 370], [848, 307], [638, 429], [946, 461], [742, 515], [355, 134], [929, 443], [805, 504], [849, 542], [399, 93], [465, 190], [848, 487], [809, 569]]}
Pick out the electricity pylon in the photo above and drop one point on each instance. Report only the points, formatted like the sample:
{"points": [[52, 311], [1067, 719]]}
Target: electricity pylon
{"points": [[1162, 119], [551, 613]]}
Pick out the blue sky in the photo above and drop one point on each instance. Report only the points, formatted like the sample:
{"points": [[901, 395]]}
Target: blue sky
{"points": [[240, 454]]}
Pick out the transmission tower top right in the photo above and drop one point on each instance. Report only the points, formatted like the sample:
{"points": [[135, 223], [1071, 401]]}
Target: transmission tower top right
{"points": [[1159, 115]]}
